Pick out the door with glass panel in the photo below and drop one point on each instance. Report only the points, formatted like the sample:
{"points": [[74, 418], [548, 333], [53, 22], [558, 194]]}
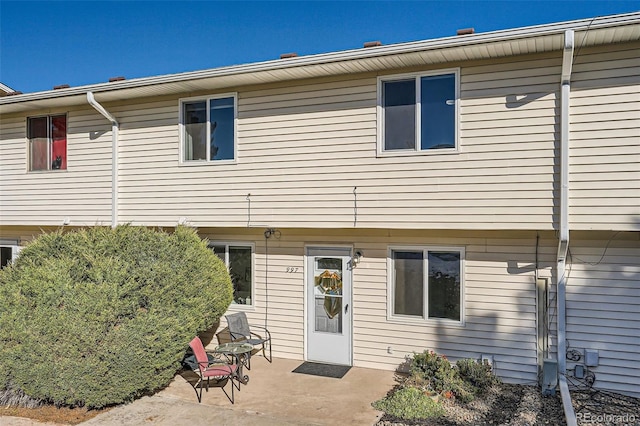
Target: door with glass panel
{"points": [[329, 309]]}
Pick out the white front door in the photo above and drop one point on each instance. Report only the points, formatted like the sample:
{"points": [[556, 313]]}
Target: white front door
{"points": [[329, 305]]}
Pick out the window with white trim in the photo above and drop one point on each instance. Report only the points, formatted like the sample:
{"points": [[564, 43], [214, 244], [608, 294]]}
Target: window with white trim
{"points": [[47, 142], [426, 283], [239, 261], [8, 252], [208, 129], [418, 113]]}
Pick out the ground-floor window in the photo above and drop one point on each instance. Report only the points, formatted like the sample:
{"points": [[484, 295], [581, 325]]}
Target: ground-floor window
{"points": [[239, 261], [426, 283], [8, 251]]}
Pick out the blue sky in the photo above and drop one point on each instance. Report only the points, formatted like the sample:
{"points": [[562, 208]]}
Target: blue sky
{"points": [[43, 44]]}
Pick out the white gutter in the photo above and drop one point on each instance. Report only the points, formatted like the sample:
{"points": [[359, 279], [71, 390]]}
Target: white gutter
{"points": [[114, 156], [563, 240]]}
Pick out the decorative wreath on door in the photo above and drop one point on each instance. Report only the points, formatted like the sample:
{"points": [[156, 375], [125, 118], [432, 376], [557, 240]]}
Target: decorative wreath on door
{"points": [[330, 283]]}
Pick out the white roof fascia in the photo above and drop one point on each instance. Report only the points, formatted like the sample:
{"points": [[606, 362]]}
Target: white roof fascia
{"points": [[5, 88], [341, 56]]}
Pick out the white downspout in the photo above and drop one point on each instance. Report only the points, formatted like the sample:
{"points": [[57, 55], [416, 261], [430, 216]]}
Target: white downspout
{"points": [[563, 240], [114, 156]]}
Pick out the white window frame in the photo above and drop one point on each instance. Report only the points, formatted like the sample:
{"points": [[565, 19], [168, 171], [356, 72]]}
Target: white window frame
{"points": [[208, 99], [410, 319], [49, 142], [13, 245], [380, 114], [236, 306]]}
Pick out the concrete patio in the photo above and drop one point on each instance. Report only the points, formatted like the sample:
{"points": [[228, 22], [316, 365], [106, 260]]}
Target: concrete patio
{"points": [[273, 396]]}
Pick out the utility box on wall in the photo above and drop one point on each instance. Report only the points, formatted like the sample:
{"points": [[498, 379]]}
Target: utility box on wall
{"points": [[549, 376], [591, 358]]}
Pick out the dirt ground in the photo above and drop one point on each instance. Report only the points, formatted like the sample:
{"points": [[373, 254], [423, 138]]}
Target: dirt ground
{"points": [[48, 413]]}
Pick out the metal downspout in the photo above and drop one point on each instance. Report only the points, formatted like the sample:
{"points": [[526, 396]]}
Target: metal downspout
{"points": [[114, 156], [563, 240]]}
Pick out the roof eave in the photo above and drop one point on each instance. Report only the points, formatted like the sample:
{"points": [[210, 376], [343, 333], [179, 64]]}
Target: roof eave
{"points": [[167, 84]]}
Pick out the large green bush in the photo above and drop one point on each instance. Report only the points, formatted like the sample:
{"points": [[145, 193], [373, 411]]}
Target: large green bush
{"points": [[100, 316]]}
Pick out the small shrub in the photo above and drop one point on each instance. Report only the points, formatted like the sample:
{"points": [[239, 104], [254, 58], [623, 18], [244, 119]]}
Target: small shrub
{"points": [[478, 375], [431, 373], [101, 316], [434, 372], [409, 403]]}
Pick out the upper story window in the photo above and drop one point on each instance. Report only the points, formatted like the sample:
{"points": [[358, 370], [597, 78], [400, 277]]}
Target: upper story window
{"points": [[426, 283], [418, 113], [239, 261], [47, 142], [208, 129]]}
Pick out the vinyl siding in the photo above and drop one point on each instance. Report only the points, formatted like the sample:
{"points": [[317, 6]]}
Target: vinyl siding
{"points": [[605, 139], [603, 307], [82, 193], [307, 156], [303, 147], [500, 298]]}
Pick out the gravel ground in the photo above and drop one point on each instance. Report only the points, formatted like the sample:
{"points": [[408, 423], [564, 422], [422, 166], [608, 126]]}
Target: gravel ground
{"points": [[519, 405]]}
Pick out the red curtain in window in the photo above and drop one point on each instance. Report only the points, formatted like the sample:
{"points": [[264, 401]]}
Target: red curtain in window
{"points": [[59, 142]]}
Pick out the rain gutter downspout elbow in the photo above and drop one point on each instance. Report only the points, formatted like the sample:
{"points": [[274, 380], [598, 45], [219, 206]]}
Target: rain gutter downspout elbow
{"points": [[114, 155], [563, 239]]}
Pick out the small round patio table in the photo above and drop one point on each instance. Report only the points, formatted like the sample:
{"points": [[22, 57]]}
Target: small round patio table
{"points": [[241, 352]]}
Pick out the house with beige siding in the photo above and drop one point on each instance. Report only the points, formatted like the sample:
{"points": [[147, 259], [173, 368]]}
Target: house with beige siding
{"points": [[475, 195]]}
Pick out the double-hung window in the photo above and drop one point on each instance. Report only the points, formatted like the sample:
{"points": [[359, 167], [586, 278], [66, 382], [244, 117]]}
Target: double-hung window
{"points": [[208, 129], [239, 261], [418, 113], [426, 283], [47, 142]]}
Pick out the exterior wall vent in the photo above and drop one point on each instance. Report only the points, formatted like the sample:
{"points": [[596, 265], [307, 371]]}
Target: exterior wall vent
{"points": [[61, 86], [372, 44], [465, 31], [113, 79], [288, 55]]}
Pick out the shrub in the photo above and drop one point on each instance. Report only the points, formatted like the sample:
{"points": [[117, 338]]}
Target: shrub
{"points": [[101, 316], [464, 380], [409, 403], [436, 374], [478, 375]]}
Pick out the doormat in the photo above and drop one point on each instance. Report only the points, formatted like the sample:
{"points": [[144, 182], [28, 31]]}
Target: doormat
{"points": [[324, 370]]}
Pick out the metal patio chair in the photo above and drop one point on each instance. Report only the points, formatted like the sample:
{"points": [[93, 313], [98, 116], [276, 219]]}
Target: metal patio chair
{"points": [[212, 366], [240, 330]]}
